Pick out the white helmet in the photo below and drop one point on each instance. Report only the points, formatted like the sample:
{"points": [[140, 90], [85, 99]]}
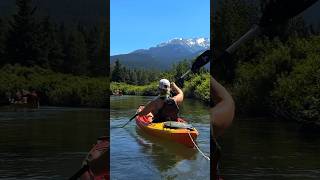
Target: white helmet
{"points": [[164, 84]]}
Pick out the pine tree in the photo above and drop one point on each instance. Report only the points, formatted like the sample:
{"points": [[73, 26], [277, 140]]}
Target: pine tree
{"points": [[2, 41], [76, 61], [51, 50], [116, 73], [22, 41], [97, 52]]}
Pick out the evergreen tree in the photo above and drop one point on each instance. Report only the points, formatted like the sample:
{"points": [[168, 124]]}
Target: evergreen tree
{"points": [[116, 73], [22, 41], [76, 61], [180, 68], [2, 41], [97, 52], [51, 50], [133, 77]]}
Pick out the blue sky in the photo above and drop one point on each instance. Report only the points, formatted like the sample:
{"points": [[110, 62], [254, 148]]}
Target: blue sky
{"points": [[139, 24]]}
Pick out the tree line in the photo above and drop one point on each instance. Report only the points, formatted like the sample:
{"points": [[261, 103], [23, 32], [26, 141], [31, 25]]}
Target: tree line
{"points": [[134, 76], [141, 76], [31, 40]]}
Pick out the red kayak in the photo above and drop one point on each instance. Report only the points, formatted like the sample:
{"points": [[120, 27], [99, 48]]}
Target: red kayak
{"points": [[96, 164]]}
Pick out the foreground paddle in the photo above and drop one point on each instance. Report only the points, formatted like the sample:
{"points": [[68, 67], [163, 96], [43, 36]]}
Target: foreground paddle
{"points": [[129, 120]]}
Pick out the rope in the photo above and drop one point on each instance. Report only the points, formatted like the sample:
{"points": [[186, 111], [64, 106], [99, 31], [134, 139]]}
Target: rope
{"points": [[205, 156]]}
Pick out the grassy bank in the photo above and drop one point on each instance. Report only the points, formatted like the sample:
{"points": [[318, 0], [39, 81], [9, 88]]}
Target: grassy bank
{"points": [[55, 89], [197, 87]]}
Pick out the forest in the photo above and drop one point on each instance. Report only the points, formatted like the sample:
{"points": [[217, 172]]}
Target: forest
{"points": [[34, 49], [276, 74]]}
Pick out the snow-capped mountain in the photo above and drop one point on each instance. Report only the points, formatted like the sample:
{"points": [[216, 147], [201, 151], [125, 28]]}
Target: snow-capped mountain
{"points": [[193, 43], [164, 54]]}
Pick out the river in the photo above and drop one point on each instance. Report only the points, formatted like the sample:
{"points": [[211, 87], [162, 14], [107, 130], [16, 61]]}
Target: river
{"points": [[47, 143], [135, 155], [268, 148]]}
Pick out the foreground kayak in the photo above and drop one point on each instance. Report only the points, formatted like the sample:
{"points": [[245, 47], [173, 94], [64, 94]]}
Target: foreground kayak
{"points": [[179, 132], [96, 164]]}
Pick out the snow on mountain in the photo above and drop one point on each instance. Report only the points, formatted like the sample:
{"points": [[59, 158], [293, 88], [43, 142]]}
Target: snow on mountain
{"points": [[195, 44]]}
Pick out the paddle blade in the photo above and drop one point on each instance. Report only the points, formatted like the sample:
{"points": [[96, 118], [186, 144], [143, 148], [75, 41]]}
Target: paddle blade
{"points": [[201, 60], [279, 11]]}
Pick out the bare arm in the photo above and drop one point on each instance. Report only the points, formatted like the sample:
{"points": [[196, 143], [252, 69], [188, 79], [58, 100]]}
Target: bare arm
{"points": [[179, 97], [149, 108], [222, 113]]}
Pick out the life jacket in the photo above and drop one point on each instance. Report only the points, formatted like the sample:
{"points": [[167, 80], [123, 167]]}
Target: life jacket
{"points": [[168, 112]]}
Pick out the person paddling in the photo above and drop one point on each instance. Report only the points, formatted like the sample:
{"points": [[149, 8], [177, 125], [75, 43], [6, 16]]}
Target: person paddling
{"points": [[164, 107]]}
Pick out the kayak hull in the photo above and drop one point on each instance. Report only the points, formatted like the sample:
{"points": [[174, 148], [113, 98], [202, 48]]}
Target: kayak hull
{"points": [[97, 161], [181, 136]]}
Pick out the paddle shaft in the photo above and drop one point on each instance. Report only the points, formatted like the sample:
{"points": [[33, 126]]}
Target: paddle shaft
{"points": [[80, 172], [129, 120]]}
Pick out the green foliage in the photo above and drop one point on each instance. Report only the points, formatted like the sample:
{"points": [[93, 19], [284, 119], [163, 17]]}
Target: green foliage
{"points": [[55, 88], [128, 89], [298, 93], [284, 79], [198, 87]]}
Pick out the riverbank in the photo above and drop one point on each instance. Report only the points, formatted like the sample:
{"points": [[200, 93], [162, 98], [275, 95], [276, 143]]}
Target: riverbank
{"points": [[55, 89], [281, 79], [198, 87]]}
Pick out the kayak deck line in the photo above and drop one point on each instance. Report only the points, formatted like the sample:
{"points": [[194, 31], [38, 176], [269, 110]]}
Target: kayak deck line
{"points": [[197, 147]]}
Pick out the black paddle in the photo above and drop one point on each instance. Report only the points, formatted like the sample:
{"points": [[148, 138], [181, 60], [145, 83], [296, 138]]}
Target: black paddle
{"points": [[129, 121], [80, 172], [199, 62]]}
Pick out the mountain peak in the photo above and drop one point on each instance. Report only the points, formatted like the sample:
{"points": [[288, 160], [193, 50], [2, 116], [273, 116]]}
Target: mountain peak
{"points": [[165, 54], [197, 43]]}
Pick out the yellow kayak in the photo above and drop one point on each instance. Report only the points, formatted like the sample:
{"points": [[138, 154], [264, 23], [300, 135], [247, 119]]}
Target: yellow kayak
{"points": [[177, 131]]}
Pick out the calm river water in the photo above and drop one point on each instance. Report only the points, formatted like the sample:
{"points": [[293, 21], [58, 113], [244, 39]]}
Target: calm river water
{"points": [[48, 143], [270, 149]]}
